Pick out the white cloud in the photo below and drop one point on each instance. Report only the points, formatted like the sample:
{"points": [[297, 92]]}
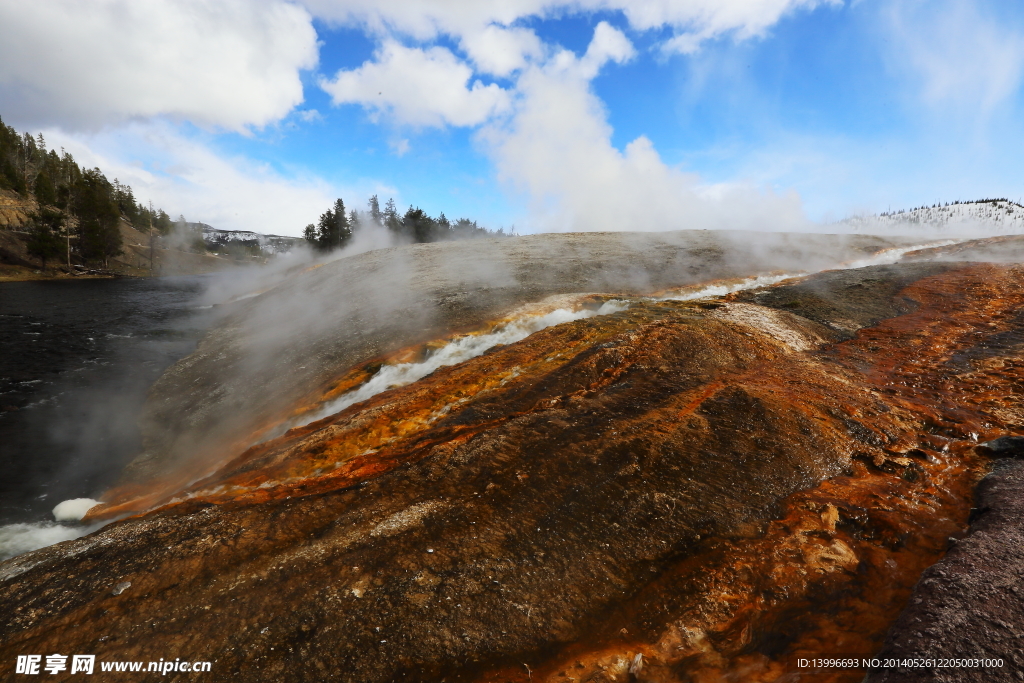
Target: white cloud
{"points": [[216, 63], [608, 44], [309, 115], [431, 86], [692, 20], [957, 54], [426, 19], [420, 87], [399, 147], [556, 148], [696, 21], [184, 175], [500, 51], [548, 135], [235, 64], [231, 64]]}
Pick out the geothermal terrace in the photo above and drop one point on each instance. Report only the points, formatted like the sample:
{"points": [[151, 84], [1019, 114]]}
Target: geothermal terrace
{"points": [[601, 457]]}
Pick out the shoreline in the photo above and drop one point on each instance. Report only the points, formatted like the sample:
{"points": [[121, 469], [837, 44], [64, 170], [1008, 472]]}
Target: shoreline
{"points": [[23, 274]]}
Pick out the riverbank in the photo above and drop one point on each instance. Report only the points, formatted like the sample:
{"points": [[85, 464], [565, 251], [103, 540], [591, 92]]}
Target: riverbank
{"points": [[10, 273], [137, 259], [79, 356]]}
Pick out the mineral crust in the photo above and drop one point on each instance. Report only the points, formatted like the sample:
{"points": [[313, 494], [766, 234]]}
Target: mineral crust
{"points": [[681, 491]]}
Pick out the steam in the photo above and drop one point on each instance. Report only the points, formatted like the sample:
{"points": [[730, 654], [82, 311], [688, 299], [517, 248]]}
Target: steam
{"points": [[470, 346], [296, 322], [722, 289], [246, 282], [890, 256], [16, 539], [884, 257], [557, 149], [458, 350]]}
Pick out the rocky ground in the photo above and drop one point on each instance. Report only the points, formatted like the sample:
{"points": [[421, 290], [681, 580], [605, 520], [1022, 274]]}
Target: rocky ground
{"points": [[303, 334], [681, 491], [970, 604]]}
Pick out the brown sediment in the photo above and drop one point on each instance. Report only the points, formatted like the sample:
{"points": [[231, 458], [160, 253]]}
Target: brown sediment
{"points": [[349, 448], [968, 606], [252, 371], [829, 577], [824, 581], [1001, 249], [720, 488]]}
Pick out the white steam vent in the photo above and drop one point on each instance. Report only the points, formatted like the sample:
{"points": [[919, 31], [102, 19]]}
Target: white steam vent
{"points": [[73, 510]]}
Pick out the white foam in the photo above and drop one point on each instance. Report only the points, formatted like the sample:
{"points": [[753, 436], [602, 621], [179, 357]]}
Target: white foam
{"points": [[456, 351], [16, 539], [73, 510]]}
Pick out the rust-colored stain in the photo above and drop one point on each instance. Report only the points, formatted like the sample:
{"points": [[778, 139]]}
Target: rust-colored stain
{"points": [[740, 490]]}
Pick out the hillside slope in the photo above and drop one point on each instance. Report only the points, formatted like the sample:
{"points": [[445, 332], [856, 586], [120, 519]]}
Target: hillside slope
{"points": [[679, 491], [976, 219], [139, 258]]}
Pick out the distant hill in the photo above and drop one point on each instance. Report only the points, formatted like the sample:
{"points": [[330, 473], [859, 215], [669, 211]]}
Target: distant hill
{"points": [[225, 239], [981, 217]]}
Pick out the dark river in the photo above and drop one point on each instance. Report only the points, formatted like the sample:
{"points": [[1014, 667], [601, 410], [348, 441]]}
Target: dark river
{"points": [[76, 361]]}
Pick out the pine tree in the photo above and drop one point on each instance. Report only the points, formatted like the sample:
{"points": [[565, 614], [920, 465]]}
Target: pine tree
{"points": [[391, 221], [375, 211], [333, 230], [325, 230], [45, 242], [99, 235], [46, 193], [419, 226], [162, 222], [343, 227]]}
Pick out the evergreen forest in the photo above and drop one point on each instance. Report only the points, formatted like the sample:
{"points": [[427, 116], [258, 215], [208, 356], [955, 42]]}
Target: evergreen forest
{"points": [[336, 228], [79, 208]]}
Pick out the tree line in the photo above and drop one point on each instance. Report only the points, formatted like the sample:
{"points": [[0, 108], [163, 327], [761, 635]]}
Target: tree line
{"points": [[336, 228], [941, 206], [79, 209]]}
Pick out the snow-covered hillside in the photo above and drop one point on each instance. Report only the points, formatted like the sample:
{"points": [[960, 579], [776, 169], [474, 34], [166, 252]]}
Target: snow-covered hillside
{"points": [[268, 244], [986, 217]]}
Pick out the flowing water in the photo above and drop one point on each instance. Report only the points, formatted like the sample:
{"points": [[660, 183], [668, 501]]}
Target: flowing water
{"points": [[77, 360], [456, 351]]}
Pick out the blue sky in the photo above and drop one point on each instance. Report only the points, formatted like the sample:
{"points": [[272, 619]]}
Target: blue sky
{"points": [[538, 114]]}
